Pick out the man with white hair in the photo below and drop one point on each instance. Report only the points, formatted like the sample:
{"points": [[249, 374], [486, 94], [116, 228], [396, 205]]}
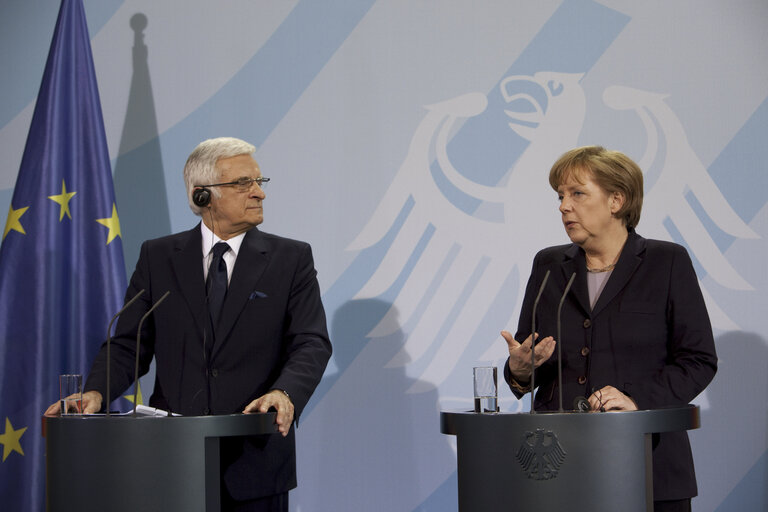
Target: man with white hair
{"points": [[243, 329]]}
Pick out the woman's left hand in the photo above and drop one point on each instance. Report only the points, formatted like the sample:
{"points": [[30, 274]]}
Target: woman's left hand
{"points": [[611, 399]]}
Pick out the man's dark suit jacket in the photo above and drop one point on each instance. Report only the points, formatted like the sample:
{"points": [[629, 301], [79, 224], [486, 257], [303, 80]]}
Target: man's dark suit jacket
{"points": [[648, 335], [272, 335]]}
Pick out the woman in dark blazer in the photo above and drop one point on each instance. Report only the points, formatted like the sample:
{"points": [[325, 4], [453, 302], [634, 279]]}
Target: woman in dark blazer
{"points": [[635, 330]]}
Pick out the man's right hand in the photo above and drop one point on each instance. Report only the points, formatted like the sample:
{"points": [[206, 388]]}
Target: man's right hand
{"points": [[91, 404], [520, 355]]}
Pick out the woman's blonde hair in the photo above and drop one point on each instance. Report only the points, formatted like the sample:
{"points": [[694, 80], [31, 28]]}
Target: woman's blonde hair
{"points": [[612, 171]]}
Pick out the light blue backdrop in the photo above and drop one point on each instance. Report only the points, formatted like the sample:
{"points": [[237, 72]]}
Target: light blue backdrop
{"points": [[409, 143]]}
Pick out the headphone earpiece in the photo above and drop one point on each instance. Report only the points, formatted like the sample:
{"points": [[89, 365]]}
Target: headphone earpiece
{"points": [[201, 196]]}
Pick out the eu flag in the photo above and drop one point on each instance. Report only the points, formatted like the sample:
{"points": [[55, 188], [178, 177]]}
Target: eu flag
{"points": [[62, 273]]}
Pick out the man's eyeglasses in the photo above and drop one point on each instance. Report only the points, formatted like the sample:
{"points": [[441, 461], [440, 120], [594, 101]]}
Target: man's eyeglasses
{"points": [[241, 184]]}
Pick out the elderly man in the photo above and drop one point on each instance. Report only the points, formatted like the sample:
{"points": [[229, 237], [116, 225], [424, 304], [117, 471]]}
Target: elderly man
{"points": [[243, 329]]}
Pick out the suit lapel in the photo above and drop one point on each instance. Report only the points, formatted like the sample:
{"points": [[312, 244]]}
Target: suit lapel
{"points": [[630, 259], [187, 264], [574, 262], [252, 260]]}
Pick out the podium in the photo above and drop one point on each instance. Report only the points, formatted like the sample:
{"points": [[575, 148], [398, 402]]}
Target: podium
{"points": [[550, 462], [147, 463]]}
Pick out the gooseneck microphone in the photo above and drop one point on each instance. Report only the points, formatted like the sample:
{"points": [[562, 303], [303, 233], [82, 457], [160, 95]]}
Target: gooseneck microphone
{"points": [[109, 341], [533, 339], [560, 341], [138, 345]]}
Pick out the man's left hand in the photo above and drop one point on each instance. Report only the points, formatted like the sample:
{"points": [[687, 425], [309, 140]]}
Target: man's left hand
{"points": [[280, 401]]}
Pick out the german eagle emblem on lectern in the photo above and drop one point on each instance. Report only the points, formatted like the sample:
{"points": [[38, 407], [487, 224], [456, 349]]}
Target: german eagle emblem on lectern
{"points": [[540, 454]]}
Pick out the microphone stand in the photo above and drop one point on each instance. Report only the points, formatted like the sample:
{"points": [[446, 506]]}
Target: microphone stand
{"points": [[533, 339], [138, 344], [109, 342], [559, 342]]}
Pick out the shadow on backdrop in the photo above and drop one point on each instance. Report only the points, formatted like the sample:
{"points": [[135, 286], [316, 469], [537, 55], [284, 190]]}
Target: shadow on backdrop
{"points": [[734, 428], [369, 444], [139, 179]]}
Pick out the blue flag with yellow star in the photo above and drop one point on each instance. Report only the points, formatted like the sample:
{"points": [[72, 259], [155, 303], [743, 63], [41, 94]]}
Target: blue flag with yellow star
{"points": [[62, 274]]}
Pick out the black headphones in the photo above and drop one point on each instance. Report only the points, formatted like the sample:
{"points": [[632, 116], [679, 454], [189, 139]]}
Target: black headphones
{"points": [[201, 196]]}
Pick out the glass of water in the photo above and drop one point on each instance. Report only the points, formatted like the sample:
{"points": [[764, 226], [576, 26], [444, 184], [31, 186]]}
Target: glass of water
{"points": [[486, 386], [71, 393]]}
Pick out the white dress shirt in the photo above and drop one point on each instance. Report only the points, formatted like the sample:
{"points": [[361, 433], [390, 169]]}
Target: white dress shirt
{"points": [[209, 240]]}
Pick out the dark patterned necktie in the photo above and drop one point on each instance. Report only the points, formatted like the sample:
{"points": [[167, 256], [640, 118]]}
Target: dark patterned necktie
{"points": [[216, 284]]}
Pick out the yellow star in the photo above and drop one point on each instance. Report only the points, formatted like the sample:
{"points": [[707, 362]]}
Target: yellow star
{"points": [[63, 200], [13, 220], [113, 223], [10, 439], [131, 397]]}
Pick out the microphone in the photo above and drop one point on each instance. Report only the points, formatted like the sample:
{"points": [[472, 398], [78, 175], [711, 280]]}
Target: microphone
{"points": [[580, 404], [533, 339], [109, 341], [560, 341], [138, 344]]}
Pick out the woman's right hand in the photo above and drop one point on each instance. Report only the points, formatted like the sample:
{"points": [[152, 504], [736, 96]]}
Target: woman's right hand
{"points": [[520, 355]]}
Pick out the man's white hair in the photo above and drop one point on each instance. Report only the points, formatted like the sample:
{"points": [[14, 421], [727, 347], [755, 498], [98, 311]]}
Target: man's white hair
{"points": [[200, 168]]}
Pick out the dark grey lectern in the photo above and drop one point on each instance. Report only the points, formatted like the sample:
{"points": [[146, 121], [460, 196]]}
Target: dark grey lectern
{"points": [[551, 462], [124, 463]]}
